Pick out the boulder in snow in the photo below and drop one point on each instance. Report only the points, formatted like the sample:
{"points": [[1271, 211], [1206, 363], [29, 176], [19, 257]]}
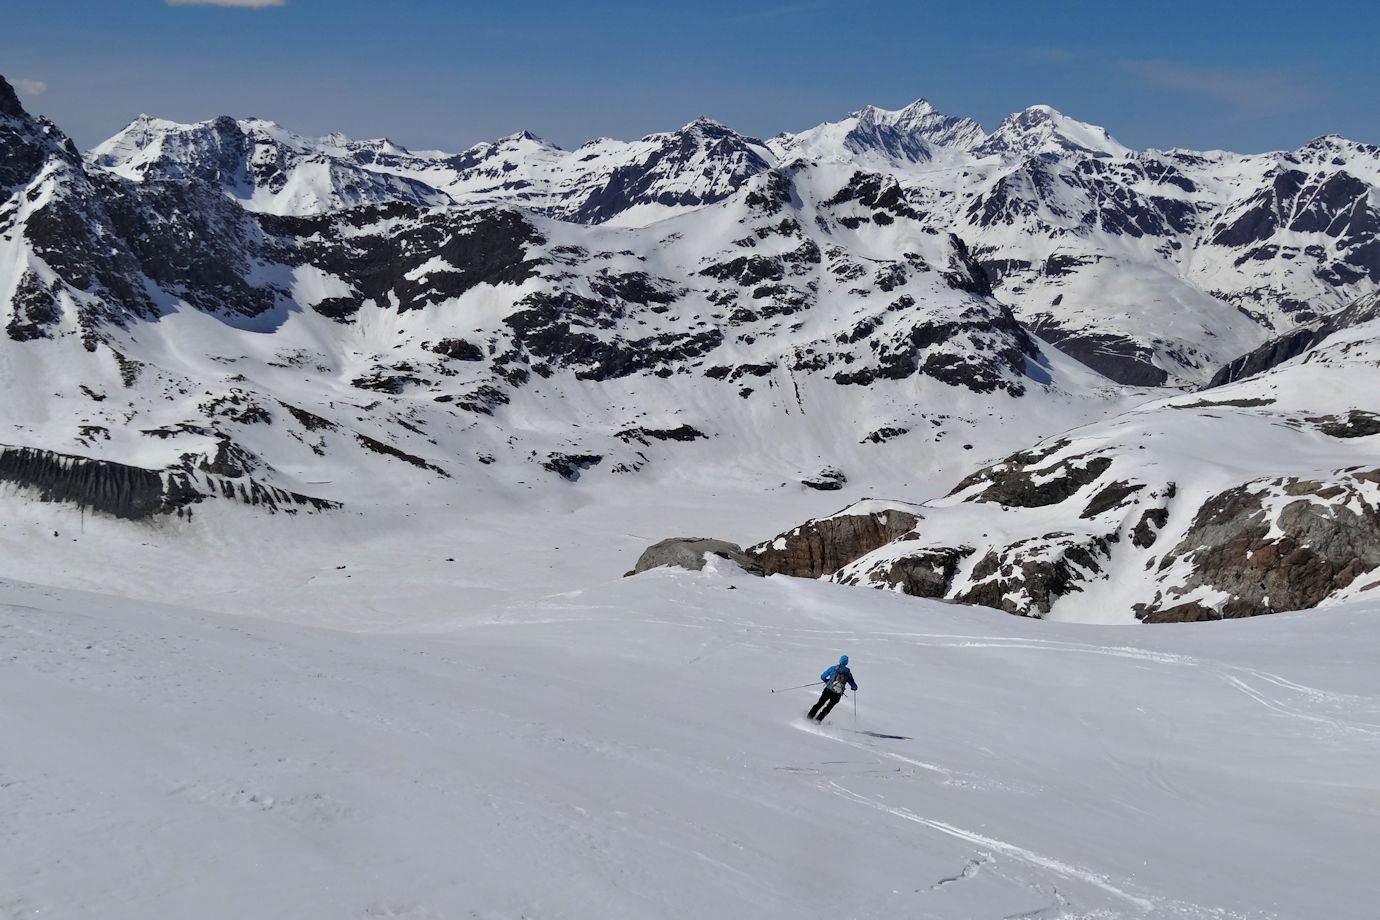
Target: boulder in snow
{"points": [[690, 552]]}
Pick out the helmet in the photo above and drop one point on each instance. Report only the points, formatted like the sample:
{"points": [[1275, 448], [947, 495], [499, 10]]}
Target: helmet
{"points": [[843, 660]]}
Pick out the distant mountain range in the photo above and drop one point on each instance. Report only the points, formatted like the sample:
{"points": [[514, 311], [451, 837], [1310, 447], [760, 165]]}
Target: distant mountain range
{"points": [[227, 310]]}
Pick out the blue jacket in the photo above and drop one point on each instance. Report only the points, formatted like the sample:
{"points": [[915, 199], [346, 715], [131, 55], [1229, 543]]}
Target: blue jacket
{"points": [[843, 674]]}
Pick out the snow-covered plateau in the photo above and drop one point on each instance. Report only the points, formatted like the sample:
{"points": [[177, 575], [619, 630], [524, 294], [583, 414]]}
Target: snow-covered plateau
{"points": [[617, 752]]}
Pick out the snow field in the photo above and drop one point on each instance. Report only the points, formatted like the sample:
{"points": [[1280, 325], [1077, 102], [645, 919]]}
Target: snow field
{"points": [[616, 752]]}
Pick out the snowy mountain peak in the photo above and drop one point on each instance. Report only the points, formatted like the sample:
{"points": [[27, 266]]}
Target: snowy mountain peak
{"points": [[920, 108], [705, 130], [266, 167], [254, 123], [1042, 129], [902, 136], [922, 119], [517, 141], [705, 123], [146, 122], [1336, 151]]}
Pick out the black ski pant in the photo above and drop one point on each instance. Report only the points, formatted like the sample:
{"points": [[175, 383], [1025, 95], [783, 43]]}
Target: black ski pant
{"points": [[827, 701]]}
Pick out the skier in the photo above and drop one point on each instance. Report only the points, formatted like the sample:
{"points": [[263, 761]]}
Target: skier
{"points": [[835, 678]]}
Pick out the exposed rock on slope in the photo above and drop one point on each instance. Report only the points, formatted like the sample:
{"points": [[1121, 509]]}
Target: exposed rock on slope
{"points": [[133, 493], [822, 546], [1273, 545]]}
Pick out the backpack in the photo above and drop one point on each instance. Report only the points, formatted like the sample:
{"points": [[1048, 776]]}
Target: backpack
{"points": [[838, 680]]}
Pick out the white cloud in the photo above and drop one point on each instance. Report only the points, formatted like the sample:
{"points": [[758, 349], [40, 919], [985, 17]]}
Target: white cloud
{"points": [[30, 87], [248, 4]]}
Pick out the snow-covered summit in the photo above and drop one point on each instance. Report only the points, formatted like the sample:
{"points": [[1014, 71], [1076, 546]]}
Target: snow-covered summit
{"points": [[1042, 129], [910, 135], [604, 180], [267, 168], [922, 119]]}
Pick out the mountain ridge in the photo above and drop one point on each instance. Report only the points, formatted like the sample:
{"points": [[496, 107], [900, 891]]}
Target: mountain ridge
{"points": [[1057, 212]]}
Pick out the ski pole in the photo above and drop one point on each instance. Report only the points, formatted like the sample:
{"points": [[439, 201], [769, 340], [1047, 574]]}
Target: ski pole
{"points": [[855, 709], [801, 687]]}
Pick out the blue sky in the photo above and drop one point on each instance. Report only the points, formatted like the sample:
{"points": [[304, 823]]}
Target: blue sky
{"points": [[449, 73]]}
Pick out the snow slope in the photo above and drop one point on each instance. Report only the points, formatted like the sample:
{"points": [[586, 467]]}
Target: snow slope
{"points": [[615, 753]]}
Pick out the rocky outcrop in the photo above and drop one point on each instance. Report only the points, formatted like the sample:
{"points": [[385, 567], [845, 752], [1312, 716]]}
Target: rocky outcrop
{"points": [[570, 466], [1355, 424], [134, 493], [931, 551], [689, 553], [828, 479], [1024, 480], [1118, 358], [1026, 577], [1265, 547], [995, 359], [925, 571], [820, 547], [643, 435], [414, 258]]}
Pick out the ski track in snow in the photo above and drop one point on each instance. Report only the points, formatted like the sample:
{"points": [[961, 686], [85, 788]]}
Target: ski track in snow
{"points": [[950, 777], [1142, 905], [1275, 705], [1073, 873]]}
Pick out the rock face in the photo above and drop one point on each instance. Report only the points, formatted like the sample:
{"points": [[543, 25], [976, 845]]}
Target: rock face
{"points": [[1357, 423], [820, 547], [137, 494], [1026, 481], [1284, 544], [923, 572], [690, 552], [1026, 577]]}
